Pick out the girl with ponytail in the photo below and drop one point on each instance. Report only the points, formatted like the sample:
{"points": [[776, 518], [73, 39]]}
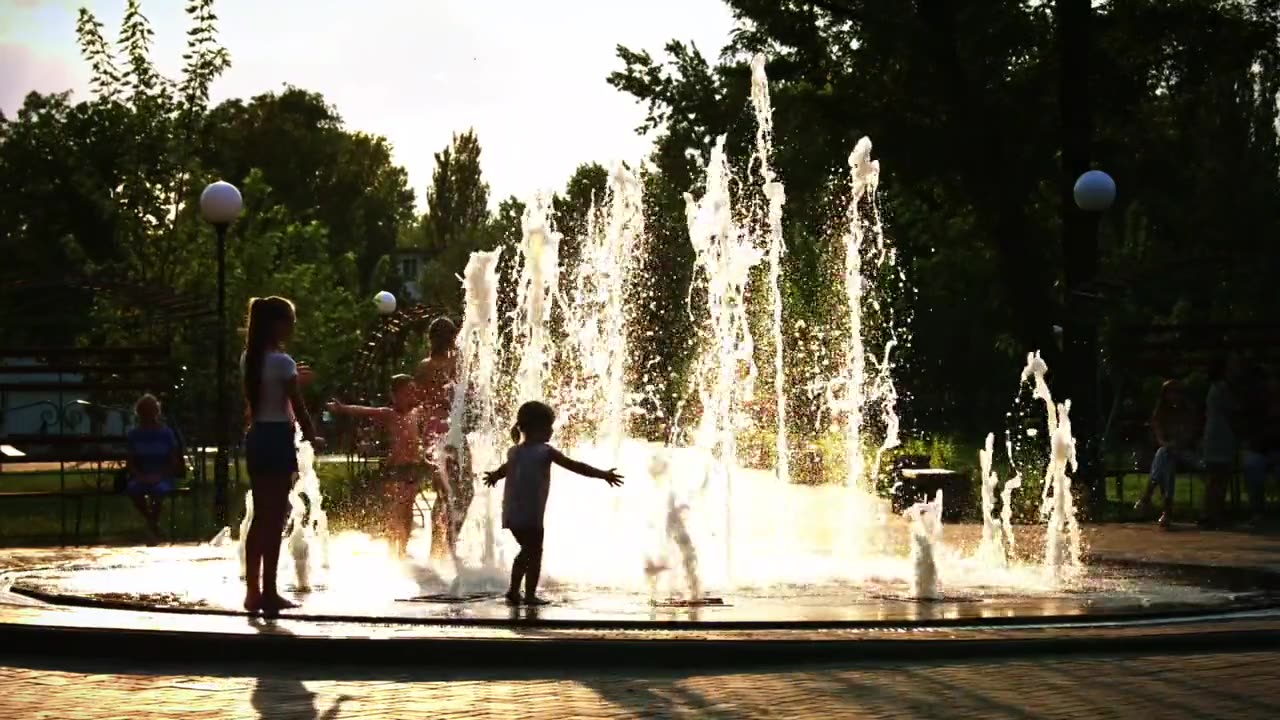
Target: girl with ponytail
{"points": [[273, 402]]}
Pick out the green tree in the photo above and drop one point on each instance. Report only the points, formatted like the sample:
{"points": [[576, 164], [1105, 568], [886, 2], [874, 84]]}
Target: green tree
{"points": [[507, 234], [109, 187], [346, 180], [457, 220], [458, 199], [962, 101], [584, 191]]}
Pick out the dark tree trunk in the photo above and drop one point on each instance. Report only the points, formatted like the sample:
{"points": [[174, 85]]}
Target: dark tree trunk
{"points": [[1079, 237], [998, 191]]}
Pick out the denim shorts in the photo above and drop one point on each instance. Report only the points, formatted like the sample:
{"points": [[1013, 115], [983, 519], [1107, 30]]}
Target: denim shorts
{"points": [[1165, 466], [269, 448]]}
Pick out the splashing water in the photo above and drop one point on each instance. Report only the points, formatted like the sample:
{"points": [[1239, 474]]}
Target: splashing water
{"points": [[308, 539], [536, 293], [1062, 535], [926, 540], [222, 539], [992, 547], [859, 390], [299, 548], [241, 547], [726, 369], [864, 176], [674, 530], [597, 314], [474, 426], [702, 505], [307, 543], [1006, 508], [775, 197]]}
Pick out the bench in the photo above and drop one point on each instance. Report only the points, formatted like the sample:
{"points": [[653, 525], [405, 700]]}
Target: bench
{"points": [[1143, 352], [914, 481], [66, 411]]}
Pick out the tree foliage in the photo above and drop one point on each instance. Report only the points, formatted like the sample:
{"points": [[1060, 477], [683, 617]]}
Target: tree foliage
{"points": [[108, 188], [962, 102], [961, 99], [456, 223], [458, 199]]}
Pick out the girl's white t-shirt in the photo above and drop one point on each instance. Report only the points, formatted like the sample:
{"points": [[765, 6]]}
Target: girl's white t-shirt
{"points": [[273, 399]]}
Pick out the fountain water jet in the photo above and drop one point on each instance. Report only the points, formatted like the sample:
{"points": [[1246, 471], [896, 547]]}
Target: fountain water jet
{"points": [[1006, 512], [596, 316], [865, 383], [992, 547], [726, 369], [536, 293], [474, 426], [926, 540], [309, 525], [674, 530], [705, 499], [775, 197], [247, 521], [1062, 535]]}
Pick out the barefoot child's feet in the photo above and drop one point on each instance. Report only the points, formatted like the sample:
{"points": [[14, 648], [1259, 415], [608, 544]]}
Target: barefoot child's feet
{"points": [[274, 604], [512, 598], [252, 603]]}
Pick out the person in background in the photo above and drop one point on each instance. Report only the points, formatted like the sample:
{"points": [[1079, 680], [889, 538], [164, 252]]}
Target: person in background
{"points": [[435, 377], [1220, 446], [406, 464], [274, 404], [1261, 436], [1172, 427], [154, 463]]}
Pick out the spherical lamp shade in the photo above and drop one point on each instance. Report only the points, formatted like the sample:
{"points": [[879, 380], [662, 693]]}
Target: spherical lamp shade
{"points": [[1095, 191], [386, 302], [220, 203]]}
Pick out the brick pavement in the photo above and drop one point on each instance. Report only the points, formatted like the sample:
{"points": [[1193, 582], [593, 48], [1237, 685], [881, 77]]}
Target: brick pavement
{"points": [[1208, 685]]}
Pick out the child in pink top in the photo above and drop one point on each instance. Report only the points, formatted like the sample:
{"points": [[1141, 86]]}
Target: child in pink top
{"points": [[406, 457]]}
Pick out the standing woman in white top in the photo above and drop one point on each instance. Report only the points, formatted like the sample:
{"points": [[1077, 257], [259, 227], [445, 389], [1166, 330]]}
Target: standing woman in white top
{"points": [[274, 401]]}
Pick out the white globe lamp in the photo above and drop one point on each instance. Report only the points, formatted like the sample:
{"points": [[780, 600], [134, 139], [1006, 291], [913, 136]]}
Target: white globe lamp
{"points": [[385, 302], [220, 203], [1095, 191]]}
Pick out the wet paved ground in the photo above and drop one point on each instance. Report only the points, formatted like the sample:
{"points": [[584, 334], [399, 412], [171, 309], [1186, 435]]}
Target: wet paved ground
{"points": [[200, 581], [1208, 685], [1217, 683]]}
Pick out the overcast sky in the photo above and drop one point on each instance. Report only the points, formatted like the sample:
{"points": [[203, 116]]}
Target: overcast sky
{"points": [[528, 75]]}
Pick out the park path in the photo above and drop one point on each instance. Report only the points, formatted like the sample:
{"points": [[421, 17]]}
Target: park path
{"points": [[1205, 685]]}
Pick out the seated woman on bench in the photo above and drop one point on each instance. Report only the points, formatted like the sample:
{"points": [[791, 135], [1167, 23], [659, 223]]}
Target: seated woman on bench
{"points": [[154, 463]]}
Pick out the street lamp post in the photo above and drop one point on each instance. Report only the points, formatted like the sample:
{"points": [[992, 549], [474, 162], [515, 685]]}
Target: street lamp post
{"points": [[220, 204], [1094, 192]]}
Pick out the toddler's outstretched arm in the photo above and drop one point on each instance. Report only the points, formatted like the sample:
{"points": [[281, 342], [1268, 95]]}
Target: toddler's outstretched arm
{"points": [[358, 410], [581, 468], [492, 477]]}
